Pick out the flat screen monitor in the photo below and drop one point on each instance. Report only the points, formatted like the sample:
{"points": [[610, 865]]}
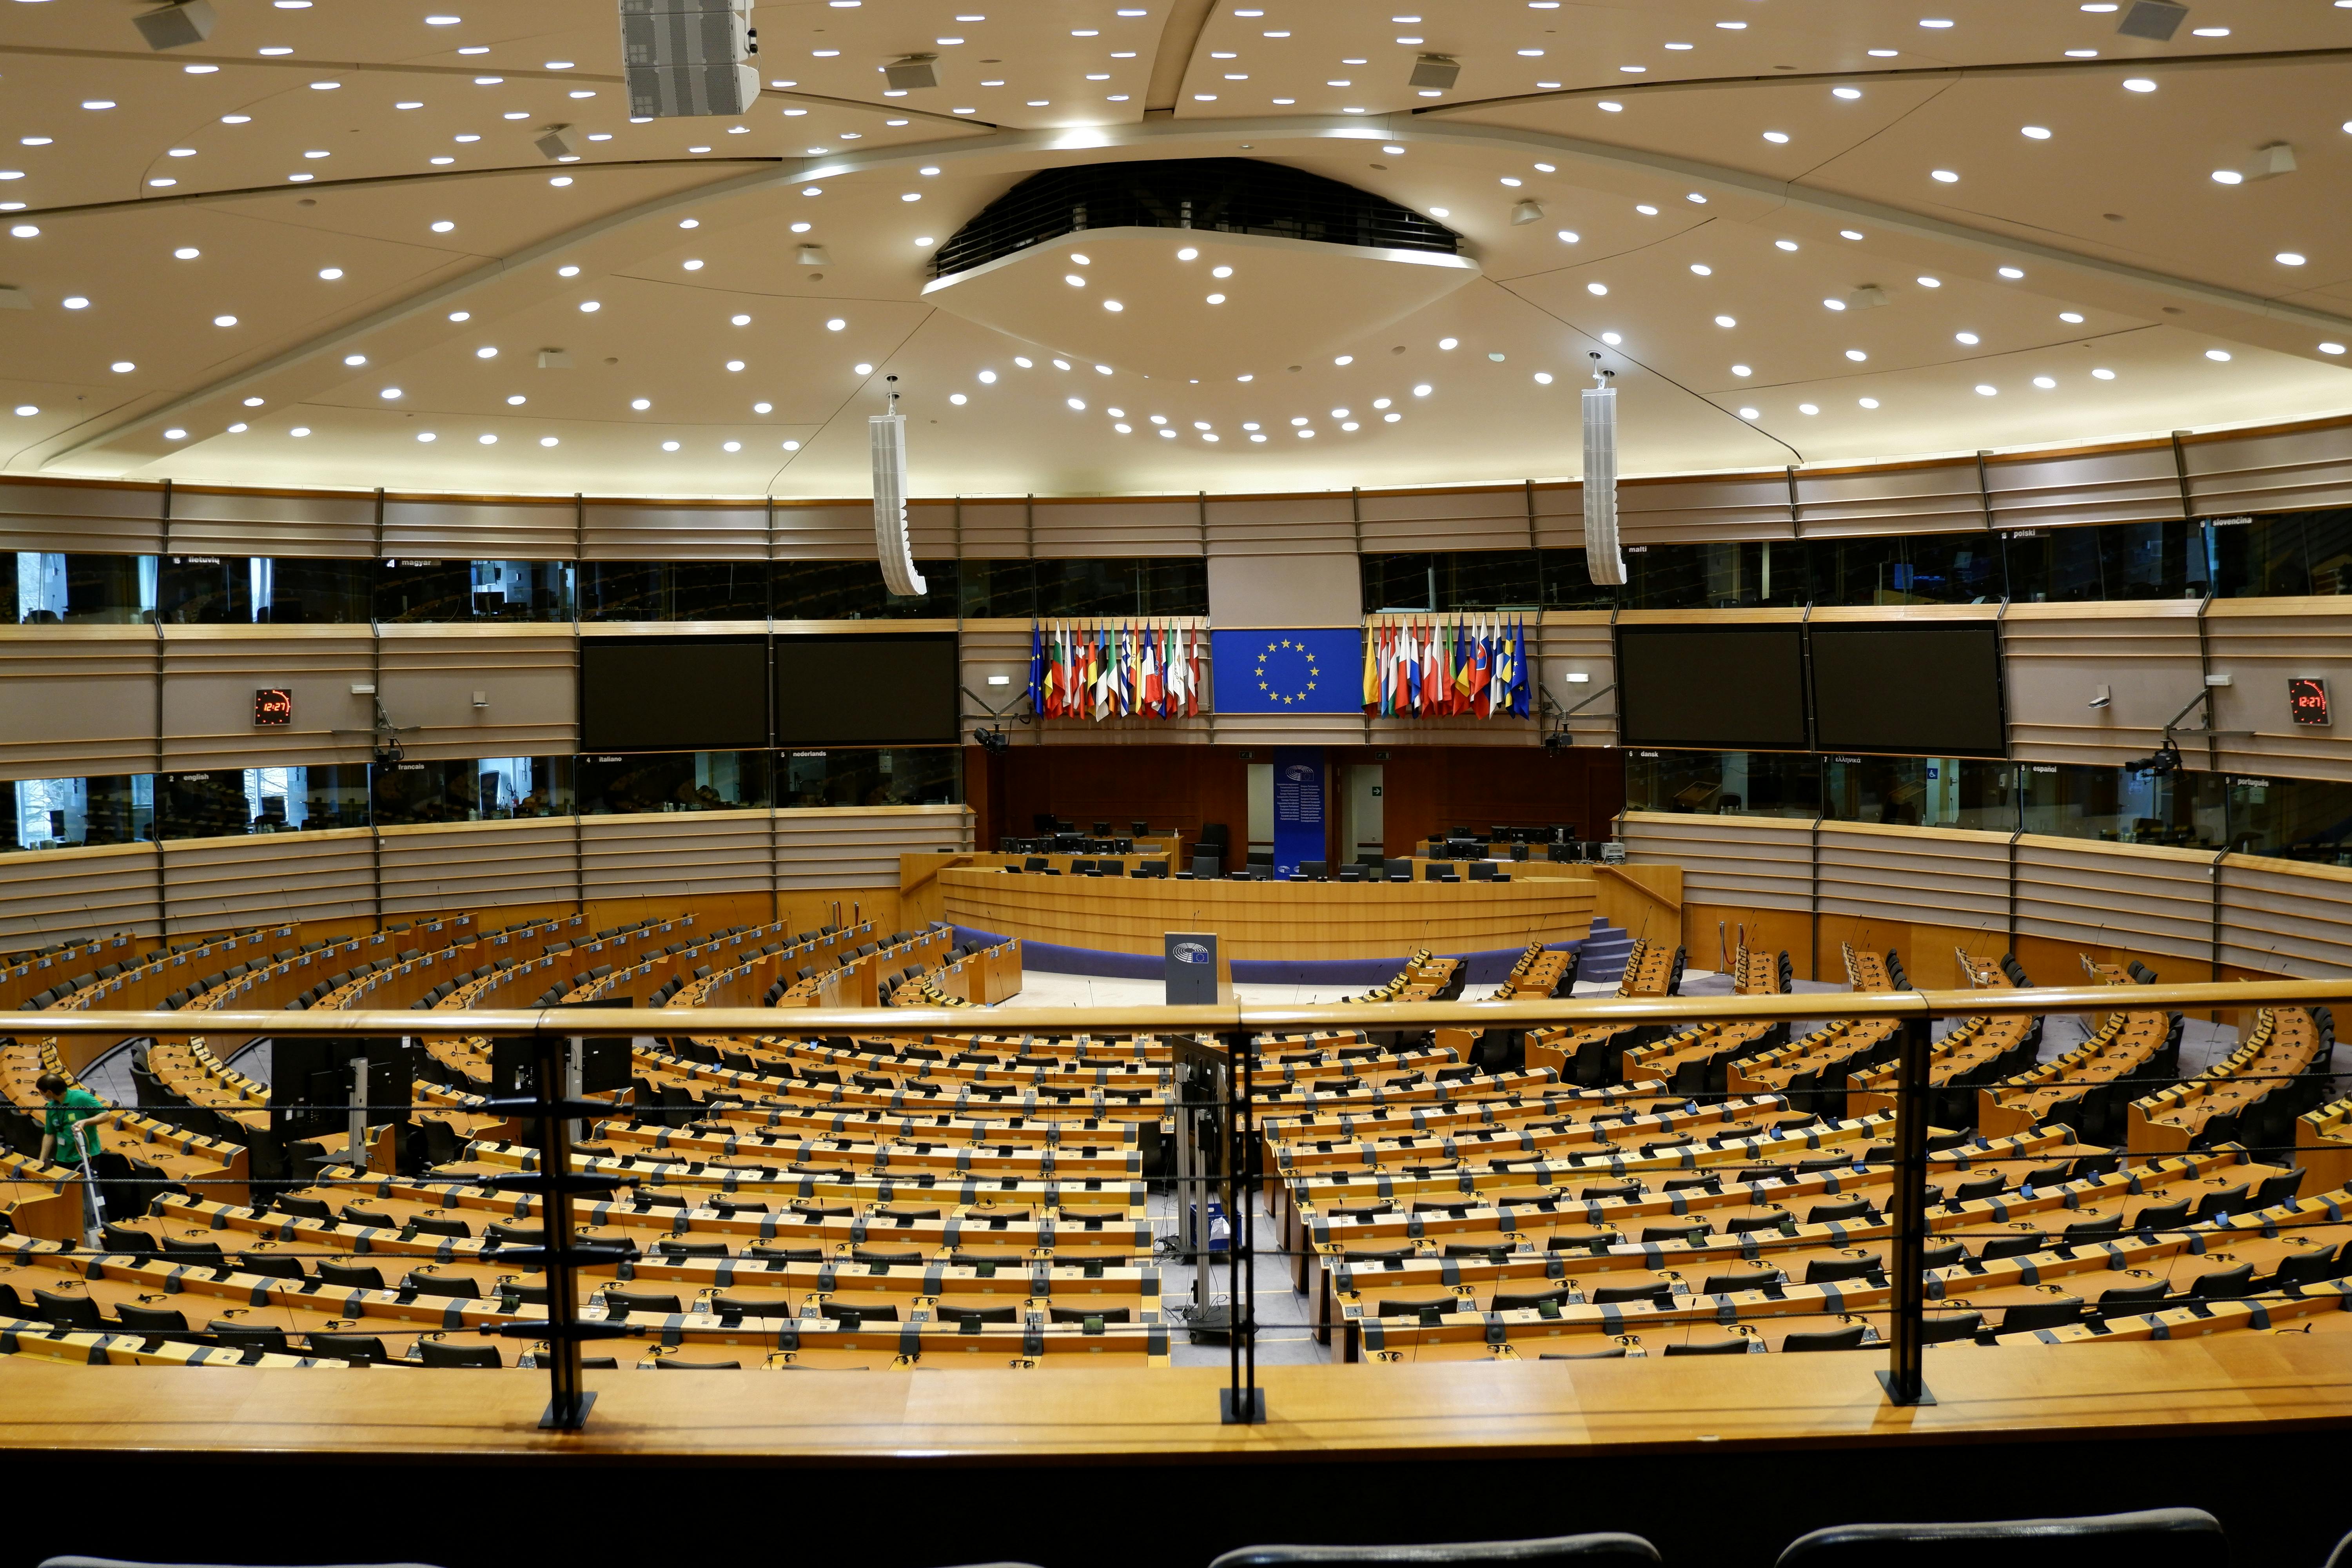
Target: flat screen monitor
{"points": [[1718, 687], [850, 689], [1921, 688], [672, 694]]}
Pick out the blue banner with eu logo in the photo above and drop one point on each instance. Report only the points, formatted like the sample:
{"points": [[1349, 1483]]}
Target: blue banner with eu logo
{"points": [[1314, 671]]}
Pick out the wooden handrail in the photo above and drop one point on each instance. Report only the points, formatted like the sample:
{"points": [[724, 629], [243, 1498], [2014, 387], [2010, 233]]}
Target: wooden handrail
{"points": [[1220, 1018], [1639, 886]]}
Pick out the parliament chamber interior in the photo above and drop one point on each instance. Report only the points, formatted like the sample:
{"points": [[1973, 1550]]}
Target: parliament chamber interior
{"points": [[1692, 720]]}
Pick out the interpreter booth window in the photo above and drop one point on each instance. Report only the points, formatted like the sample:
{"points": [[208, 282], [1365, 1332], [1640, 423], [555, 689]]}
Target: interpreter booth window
{"points": [[1568, 582], [2078, 801], [674, 590], [256, 590], [1922, 792], [212, 803], [649, 782], [871, 776], [1716, 576], [1908, 569], [72, 814], [2295, 819], [2281, 554], [443, 592], [853, 591], [305, 799], [1724, 784], [2107, 562], [47, 589], [464, 789]]}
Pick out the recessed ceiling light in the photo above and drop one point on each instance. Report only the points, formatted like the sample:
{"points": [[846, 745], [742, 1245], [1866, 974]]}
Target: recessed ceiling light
{"points": [[1784, 245], [1984, 390], [253, 402], [1645, 209], [1969, 338], [443, 21], [1568, 236], [355, 359], [2219, 355], [2072, 317], [1885, 55], [1776, 136], [1808, 408], [1741, 369], [98, 103], [2331, 348], [123, 367], [2210, 32], [486, 351], [2227, 177], [2103, 374], [2038, 133], [1611, 108], [2081, 54], [1857, 355], [461, 315], [1596, 287], [1750, 414], [1731, 27], [1842, 234], [200, 70], [1931, 282], [443, 226], [389, 392], [1868, 402], [1845, 92], [1727, 321], [1833, 304], [590, 307], [27, 409], [187, 253], [75, 302], [1944, 176], [1934, 22], [2045, 382], [2139, 84], [834, 325], [1611, 339], [2289, 259]]}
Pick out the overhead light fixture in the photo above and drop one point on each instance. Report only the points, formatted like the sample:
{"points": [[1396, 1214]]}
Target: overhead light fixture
{"points": [[815, 255], [1439, 71], [1526, 213], [176, 26]]}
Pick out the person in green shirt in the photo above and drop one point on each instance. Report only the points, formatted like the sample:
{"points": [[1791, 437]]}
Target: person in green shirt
{"points": [[73, 1112]]}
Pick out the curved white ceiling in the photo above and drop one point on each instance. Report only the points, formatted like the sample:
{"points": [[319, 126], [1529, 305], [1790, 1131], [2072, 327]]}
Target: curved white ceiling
{"points": [[369, 216]]}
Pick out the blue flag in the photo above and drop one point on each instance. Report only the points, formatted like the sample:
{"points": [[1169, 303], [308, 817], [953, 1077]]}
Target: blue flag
{"points": [[1037, 667], [1289, 671]]}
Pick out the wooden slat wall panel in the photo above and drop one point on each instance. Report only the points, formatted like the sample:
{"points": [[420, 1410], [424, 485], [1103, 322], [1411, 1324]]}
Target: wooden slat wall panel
{"points": [[2283, 470], [76, 701], [2286, 917], [1683, 511], [1494, 518], [818, 849], [208, 687], [1560, 516], [840, 531], [215, 883], [2125, 484], [1080, 529], [480, 530], [102, 518], [430, 675], [1282, 525], [1746, 862], [2260, 643], [620, 532], [338, 526], [2059, 655], [2139, 897], [1920, 497], [1911, 874], [479, 865], [931, 526], [995, 530], [684, 855], [44, 896]]}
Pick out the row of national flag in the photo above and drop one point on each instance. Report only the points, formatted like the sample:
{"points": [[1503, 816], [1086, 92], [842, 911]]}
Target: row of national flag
{"points": [[1107, 670], [1440, 669]]}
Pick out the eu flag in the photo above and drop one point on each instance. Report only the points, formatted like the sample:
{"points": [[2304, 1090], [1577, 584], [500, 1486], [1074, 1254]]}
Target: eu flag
{"points": [[1308, 671]]}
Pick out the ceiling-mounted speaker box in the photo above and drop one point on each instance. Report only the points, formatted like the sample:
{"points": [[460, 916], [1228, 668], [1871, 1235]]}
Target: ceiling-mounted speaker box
{"points": [[2156, 19], [176, 26], [1440, 72], [913, 73]]}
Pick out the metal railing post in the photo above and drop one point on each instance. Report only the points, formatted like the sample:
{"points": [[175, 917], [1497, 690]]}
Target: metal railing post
{"points": [[1904, 1377], [1240, 1403], [568, 1401]]}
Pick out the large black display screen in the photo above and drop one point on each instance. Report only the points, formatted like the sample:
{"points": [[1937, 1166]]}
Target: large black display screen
{"points": [[1924, 690], [665, 694], [859, 690], [1732, 689]]}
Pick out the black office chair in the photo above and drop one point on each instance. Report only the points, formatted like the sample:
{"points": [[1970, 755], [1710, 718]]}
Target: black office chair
{"points": [[1399, 870], [1482, 870], [1206, 866], [1551, 1550], [1314, 870], [1438, 873], [2157, 1538]]}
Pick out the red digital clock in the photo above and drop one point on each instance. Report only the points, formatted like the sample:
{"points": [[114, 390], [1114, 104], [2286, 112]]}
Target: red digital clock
{"points": [[2306, 700], [273, 707]]}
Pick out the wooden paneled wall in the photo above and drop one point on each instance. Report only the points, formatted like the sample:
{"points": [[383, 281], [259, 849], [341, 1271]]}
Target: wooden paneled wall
{"points": [[2191, 915], [768, 860], [1429, 789]]}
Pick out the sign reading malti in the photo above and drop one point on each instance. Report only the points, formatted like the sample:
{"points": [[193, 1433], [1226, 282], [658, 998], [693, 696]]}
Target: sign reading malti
{"points": [[273, 707], [2306, 700]]}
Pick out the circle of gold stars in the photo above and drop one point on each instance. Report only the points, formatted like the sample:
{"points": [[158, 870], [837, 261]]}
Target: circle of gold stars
{"points": [[1312, 672]]}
